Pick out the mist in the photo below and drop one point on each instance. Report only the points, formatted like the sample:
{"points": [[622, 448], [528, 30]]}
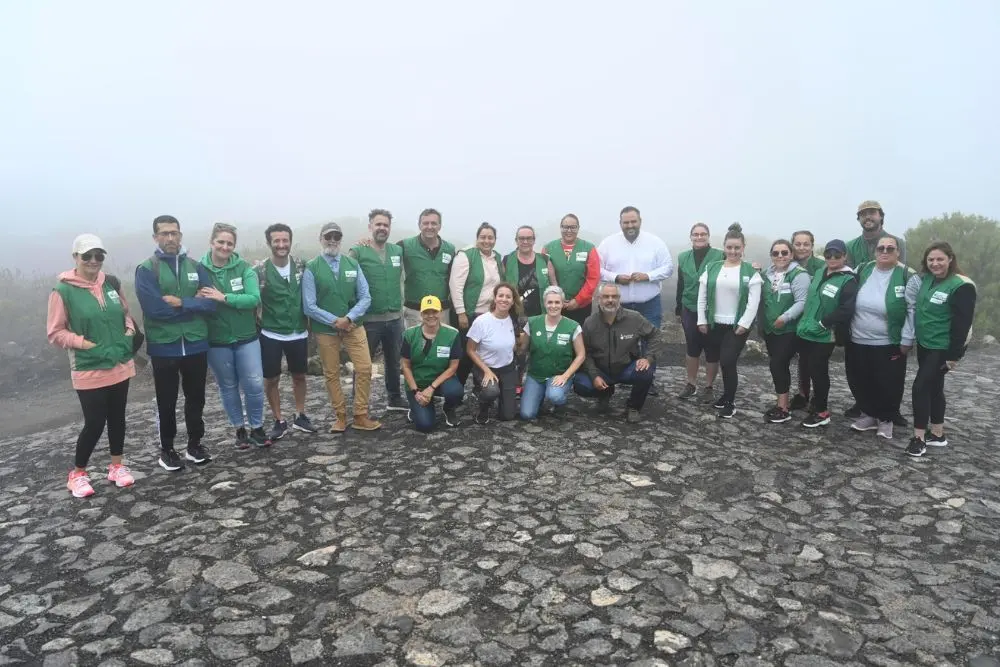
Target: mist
{"points": [[781, 115]]}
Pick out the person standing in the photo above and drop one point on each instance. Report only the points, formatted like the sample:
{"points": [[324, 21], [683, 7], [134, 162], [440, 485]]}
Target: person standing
{"points": [[335, 297], [555, 345], [234, 348], [88, 317], [783, 298], [621, 348], [531, 273], [881, 338], [171, 288], [576, 267], [803, 243], [475, 274], [944, 303], [430, 354], [824, 324], [690, 265], [382, 264], [283, 329], [491, 342], [638, 262], [728, 297], [427, 262]]}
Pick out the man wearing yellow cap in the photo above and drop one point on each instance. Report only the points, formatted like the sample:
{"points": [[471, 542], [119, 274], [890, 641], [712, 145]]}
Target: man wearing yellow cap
{"points": [[430, 354], [872, 219]]}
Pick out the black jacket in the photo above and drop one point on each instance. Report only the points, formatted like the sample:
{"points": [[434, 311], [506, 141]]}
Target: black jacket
{"points": [[611, 348]]}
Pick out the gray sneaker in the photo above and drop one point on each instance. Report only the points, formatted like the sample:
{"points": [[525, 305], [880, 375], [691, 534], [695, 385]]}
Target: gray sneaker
{"points": [[864, 423], [397, 403], [303, 424], [688, 392], [885, 430]]}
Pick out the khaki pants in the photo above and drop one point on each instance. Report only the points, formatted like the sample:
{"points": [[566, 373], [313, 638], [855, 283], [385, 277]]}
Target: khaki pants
{"points": [[356, 344], [411, 317]]}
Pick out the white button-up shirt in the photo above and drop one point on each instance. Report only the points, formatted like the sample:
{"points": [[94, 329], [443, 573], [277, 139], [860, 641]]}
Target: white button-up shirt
{"points": [[647, 254]]}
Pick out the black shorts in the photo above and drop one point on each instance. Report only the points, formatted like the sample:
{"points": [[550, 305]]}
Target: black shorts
{"points": [[296, 353]]}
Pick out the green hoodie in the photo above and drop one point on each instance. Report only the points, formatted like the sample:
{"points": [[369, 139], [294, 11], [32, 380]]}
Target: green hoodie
{"points": [[235, 320]]}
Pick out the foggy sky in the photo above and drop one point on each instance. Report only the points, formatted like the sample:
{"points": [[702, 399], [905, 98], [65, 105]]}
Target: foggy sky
{"points": [[778, 114]]}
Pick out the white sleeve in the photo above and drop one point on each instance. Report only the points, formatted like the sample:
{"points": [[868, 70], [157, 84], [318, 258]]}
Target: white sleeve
{"points": [[602, 254], [577, 332], [477, 330], [703, 298], [753, 302]]}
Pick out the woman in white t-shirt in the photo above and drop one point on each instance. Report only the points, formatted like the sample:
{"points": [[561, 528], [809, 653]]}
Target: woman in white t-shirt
{"points": [[490, 346], [556, 354]]}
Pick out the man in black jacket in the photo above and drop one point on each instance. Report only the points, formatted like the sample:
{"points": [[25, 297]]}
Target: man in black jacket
{"points": [[621, 349]]}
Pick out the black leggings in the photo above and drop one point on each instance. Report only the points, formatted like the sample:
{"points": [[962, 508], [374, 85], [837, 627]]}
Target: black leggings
{"points": [[781, 348], [803, 374], [723, 345], [503, 392], [817, 360], [876, 375], [928, 388], [103, 406]]}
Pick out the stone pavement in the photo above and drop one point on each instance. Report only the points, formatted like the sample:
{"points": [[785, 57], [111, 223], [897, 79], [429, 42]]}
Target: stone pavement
{"points": [[680, 541]]}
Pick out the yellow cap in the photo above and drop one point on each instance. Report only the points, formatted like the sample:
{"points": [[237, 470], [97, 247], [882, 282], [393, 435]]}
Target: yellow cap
{"points": [[430, 302]]}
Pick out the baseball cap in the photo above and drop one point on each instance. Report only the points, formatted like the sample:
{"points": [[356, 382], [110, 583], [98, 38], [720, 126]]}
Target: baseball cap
{"points": [[85, 242], [330, 227], [836, 245], [869, 203], [430, 302]]}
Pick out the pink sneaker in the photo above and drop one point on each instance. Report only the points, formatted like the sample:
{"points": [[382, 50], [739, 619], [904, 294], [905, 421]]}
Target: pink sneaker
{"points": [[79, 484], [120, 475]]}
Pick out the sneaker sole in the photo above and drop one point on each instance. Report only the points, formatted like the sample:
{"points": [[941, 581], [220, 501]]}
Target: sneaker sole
{"points": [[198, 461], [302, 428], [396, 409], [169, 467], [916, 455], [771, 420], [943, 443], [862, 430], [825, 422], [366, 428], [727, 416]]}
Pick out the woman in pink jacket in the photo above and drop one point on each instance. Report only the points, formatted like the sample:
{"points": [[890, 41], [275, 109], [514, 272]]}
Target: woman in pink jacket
{"points": [[89, 317]]}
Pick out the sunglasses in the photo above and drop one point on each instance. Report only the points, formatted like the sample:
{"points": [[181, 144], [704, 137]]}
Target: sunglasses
{"points": [[832, 254], [93, 255], [780, 253], [333, 236], [885, 249]]}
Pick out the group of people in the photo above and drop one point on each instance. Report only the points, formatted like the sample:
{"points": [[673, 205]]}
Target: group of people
{"points": [[533, 325], [861, 295]]}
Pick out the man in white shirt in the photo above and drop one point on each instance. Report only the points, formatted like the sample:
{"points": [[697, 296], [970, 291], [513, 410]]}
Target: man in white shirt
{"points": [[638, 262]]}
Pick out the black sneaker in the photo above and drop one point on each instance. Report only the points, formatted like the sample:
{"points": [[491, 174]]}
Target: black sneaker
{"points": [[932, 440], [258, 438], [719, 403], [728, 411], [817, 419], [853, 412], [777, 415], [303, 424], [196, 453], [799, 402], [278, 430], [653, 391], [900, 420], [916, 448], [450, 417], [397, 403], [242, 441], [170, 460], [483, 416], [632, 416], [689, 391]]}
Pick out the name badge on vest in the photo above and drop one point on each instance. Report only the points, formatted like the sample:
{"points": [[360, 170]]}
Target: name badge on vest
{"points": [[443, 351], [746, 280], [395, 261], [581, 256], [351, 275], [193, 277], [113, 295], [545, 271], [900, 291], [562, 339], [236, 284], [785, 288], [939, 297], [830, 290], [445, 258]]}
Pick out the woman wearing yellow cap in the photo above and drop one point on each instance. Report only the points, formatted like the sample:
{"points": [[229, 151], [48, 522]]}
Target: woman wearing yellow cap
{"points": [[429, 357]]}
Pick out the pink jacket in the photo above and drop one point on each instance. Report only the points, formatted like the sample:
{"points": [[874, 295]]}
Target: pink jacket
{"points": [[60, 335]]}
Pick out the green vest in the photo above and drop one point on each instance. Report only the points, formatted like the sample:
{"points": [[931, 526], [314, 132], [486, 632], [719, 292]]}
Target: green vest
{"points": [[932, 318], [550, 355], [857, 251], [426, 275], [476, 278], [776, 303], [813, 264], [280, 299], [229, 324], [746, 274], [895, 297], [427, 366], [823, 299], [334, 294], [571, 272], [103, 326], [691, 274], [541, 272], [183, 285], [383, 276]]}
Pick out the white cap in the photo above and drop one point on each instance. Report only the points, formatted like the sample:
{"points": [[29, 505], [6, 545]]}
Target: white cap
{"points": [[85, 242]]}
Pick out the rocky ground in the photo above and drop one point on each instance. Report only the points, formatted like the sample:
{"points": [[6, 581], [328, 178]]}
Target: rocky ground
{"points": [[680, 541]]}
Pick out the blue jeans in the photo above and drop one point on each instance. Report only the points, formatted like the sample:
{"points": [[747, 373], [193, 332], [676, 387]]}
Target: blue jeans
{"points": [[652, 310], [238, 367], [390, 336], [534, 392], [641, 381], [423, 415]]}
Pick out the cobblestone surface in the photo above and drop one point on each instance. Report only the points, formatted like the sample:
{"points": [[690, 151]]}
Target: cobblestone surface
{"points": [[585, 541]]}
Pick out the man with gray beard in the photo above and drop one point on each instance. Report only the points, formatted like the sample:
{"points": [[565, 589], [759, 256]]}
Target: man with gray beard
{"points": [[621, 349]]}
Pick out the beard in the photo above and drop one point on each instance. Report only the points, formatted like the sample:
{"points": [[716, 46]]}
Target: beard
{"points": [[331, 249]]}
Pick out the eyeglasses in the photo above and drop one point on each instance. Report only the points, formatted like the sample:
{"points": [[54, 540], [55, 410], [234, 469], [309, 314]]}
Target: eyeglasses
{"points": [[699, 235], [569, 228], [780, 253], [832, 254], [885, 249], [333, 236], [525, 238], [92, 255]]}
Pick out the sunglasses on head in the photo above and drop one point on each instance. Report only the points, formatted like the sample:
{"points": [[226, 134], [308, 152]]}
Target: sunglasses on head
{"points": [[93, 255], [885, 249], [780, 253], [333, 236], [832, 254]]}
